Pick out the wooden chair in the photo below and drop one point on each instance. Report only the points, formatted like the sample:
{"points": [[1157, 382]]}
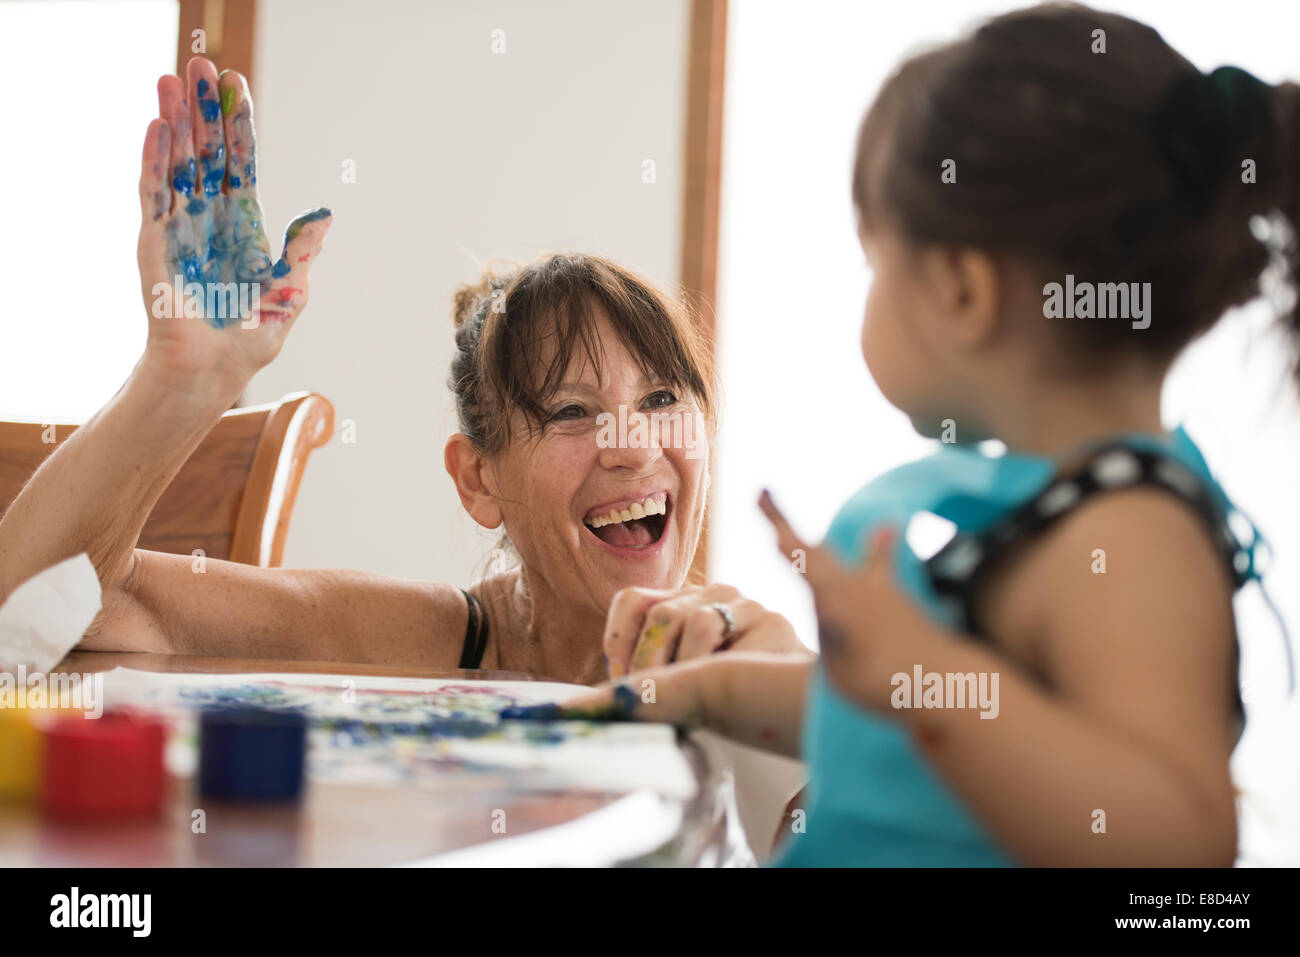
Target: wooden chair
{"points": [[234, 495]]}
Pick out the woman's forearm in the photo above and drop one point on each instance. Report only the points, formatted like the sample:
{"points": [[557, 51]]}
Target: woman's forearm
{"points": [[95, 492], [757, 698], [227, 609]]}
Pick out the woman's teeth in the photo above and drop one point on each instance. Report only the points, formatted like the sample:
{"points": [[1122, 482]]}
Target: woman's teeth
{"points": [[648, 506]]}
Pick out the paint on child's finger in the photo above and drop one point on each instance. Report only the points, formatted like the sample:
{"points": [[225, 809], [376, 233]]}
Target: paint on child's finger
{"points": [[787, 538], [768, 507], [880, 552], [883, 538]]}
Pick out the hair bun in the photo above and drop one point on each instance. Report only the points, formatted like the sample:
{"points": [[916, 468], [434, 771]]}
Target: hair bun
{"points": [[467, 300], [1205, 121]]}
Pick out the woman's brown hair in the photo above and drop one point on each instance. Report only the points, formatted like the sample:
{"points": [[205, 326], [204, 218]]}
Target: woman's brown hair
{"points": [[1117, 166], [518, 330]]}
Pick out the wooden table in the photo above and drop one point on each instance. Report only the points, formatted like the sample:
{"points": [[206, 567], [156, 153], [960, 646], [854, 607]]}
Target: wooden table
{"points": [[333, 824]]}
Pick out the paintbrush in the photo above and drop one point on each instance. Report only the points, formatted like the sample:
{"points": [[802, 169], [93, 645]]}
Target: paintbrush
{"points": [[621, 708]]}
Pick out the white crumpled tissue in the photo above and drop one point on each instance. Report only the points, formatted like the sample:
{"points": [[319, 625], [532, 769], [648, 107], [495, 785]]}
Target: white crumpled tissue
{"points": [[46, 615]]}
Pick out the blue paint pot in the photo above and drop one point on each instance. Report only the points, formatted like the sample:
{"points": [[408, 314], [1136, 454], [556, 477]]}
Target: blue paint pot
{"points": [[251, 754]]}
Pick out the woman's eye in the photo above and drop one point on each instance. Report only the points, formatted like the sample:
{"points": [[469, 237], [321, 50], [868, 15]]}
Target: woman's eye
{"points": [[568, 413], [661, 399]]}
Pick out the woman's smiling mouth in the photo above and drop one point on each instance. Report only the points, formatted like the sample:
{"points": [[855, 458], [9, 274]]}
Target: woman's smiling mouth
{"points": [[634, 524]]}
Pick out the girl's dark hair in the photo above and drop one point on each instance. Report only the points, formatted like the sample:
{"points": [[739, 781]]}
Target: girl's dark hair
{"points": [[518, 330], [1122, 166]]}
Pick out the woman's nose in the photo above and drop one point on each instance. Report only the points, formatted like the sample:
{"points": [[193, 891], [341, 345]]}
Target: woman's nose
{"points": [[628, 440]]}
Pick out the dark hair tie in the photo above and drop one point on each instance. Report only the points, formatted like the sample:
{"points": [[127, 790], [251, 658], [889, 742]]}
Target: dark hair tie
{"points": [[1205, 121]]}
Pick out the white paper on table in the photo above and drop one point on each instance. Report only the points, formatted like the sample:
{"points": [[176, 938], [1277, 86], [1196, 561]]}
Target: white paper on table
{"points": [[591, 756], [133, 686], [630, 827], [44, 617]]}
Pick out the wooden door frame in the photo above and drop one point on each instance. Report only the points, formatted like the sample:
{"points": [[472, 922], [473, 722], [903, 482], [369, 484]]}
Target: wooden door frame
{"points": [[706, 74], [229, 27]]}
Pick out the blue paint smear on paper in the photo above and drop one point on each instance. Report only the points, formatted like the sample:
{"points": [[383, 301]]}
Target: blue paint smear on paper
{"points": [[377, 720]]}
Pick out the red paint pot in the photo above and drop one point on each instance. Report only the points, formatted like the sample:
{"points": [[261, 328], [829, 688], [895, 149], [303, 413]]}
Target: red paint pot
{"points": [[111, 766]]}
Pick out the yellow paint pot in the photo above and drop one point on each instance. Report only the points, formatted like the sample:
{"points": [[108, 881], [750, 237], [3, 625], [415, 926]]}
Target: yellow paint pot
{"points": [[20, 754]]}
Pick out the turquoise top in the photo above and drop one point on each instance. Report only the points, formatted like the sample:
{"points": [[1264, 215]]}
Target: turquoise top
{"points": [[873, 800]]}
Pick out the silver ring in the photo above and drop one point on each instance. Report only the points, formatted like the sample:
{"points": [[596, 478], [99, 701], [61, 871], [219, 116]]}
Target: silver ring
{"points": [[728, 619]]}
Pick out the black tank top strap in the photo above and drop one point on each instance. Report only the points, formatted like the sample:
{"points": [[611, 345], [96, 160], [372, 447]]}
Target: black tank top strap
{"points": [[957, 570], [476, 633]]}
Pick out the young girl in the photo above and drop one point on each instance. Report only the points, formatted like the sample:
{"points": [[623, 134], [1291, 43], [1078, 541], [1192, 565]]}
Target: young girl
{"points": [[1057, 684]]}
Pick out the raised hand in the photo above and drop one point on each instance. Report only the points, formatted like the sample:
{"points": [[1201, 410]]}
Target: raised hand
{"points": [[870, 628], [220, 304]]}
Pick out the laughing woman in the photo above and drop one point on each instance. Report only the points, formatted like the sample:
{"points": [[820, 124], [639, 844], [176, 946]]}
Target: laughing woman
{"points": [[605, 531]]}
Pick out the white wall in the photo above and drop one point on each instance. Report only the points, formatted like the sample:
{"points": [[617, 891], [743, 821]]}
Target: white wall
{"points": [[462, 156]]}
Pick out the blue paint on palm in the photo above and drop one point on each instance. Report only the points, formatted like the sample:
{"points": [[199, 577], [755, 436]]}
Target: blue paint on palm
{"points": [[222, 241]]}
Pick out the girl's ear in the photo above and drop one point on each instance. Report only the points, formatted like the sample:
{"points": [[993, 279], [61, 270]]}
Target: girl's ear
{"points": [[969, 287], [466, 467]]}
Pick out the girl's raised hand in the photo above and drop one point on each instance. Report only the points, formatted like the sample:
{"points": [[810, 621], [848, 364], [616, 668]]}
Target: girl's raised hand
{"points": [[202, 222], [869, 628]]}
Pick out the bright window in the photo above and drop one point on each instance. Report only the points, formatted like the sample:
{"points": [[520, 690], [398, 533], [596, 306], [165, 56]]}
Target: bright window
{"points": [[79, 80]]}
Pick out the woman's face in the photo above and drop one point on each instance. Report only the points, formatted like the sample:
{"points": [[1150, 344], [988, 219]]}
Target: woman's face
{"points": [[593, 503]]}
